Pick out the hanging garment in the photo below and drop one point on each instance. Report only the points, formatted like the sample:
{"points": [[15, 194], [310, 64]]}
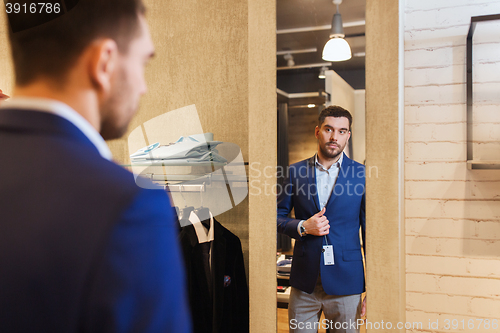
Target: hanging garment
{"points": [[203, 234], [226, 308]]}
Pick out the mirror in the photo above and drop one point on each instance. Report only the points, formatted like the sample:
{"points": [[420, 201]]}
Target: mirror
{"points": [[306, 84]]}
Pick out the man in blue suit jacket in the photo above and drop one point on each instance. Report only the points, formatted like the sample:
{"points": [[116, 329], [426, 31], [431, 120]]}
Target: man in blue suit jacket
{"points": [[327, 193], [82, 247]]}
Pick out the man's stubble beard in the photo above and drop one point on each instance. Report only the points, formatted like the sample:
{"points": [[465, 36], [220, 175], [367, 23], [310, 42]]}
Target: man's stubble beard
{"points": [[325, 152], [110, 129], [113, 109]]}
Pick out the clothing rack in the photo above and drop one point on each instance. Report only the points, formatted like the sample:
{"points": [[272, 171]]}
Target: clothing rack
{"points": [[207, 178], [186, 188], [172, 181]]}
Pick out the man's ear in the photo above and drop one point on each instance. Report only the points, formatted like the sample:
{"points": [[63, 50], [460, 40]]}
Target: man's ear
{"points": [[316, 132], [103, 63]]}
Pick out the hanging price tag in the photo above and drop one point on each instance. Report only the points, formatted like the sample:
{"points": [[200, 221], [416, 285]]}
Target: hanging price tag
{"points": [[328, 254]]}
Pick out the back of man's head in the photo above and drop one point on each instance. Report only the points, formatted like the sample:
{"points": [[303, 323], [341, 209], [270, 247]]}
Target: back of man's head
{"points": [[48, 50]]}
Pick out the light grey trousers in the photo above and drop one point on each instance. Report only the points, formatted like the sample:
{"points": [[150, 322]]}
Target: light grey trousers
{"points": [[341, 312]]}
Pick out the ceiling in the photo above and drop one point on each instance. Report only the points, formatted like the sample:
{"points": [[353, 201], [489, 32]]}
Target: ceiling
{"points": [[314, 15]]}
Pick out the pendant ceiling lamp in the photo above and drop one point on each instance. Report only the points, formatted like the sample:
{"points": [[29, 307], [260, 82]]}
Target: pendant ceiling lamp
{"points": [[337, 49], [289, 60]]}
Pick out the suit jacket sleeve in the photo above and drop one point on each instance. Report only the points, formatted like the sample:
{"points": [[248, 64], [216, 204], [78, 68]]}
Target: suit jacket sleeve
{"points": [[362, 221], [139, 284], [242, 297], [285, 224]]}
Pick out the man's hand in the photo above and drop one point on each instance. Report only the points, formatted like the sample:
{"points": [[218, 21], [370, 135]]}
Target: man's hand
{"points": [[363, 308], [317, 224]]}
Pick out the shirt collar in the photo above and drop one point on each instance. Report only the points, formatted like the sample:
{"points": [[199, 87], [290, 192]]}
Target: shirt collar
{"points": [[338, 163], [203, 236], [64, 111]]}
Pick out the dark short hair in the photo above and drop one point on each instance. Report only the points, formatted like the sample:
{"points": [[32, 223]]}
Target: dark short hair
{"points": [[50, 49], [334, 111]]}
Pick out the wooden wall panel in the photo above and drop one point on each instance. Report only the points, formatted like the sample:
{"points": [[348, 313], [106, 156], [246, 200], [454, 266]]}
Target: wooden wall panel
{"points": [[385, 227]]}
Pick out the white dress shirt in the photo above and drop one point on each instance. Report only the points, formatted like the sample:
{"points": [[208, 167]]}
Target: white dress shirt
{"points": [[325, 181], [204, 235], [62, 110], [201, 233], [326, 178]]}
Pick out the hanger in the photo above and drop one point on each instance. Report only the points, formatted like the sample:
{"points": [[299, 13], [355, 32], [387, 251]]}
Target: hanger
{"points": [[203, 213], [186, 210]]}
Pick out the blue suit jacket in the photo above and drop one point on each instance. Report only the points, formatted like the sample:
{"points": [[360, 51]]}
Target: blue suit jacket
{"points": [[82, 247], [345, 211]]}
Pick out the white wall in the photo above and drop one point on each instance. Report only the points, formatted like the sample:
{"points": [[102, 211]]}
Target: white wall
{"points": [[359, 126], [452, 213], [344, 95]]}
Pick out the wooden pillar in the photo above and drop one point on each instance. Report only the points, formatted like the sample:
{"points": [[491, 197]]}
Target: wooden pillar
{"points": [[384, 158]]}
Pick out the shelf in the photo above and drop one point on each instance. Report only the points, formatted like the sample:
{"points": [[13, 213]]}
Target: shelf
{"points": [[283, 297], [206, 177], [483, 165], [471, 163]]}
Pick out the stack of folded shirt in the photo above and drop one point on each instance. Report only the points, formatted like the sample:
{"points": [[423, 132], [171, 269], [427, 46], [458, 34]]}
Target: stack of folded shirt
{"points": [[284, 266], [190, 150]]}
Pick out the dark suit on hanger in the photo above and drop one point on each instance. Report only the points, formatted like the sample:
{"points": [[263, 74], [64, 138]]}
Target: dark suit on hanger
{"points": [[227, 309], [82, 247]]}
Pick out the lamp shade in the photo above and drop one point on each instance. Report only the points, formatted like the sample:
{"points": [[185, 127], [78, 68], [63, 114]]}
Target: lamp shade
{"points": [[337, 49]]}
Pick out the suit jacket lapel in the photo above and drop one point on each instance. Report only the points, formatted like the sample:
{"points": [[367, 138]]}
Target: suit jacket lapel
{"points": [[340, 185], [218, 271], [313, 187], [199, 274]]}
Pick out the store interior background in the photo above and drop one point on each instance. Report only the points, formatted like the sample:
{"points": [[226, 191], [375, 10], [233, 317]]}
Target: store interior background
{"points": [[434, 225], [302, 31]]}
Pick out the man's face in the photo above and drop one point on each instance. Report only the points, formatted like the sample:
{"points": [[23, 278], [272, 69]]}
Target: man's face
{"points": [[128, 85], [333, 136]]}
